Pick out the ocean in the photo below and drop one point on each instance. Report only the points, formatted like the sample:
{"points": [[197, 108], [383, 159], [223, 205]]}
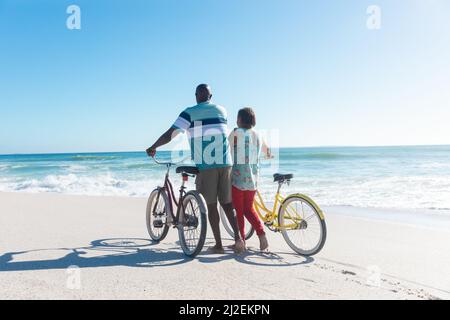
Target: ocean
{"points": [[412, 177]]}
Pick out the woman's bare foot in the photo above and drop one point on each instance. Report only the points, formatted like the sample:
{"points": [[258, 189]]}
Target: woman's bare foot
{"points": [[216, 250], [263, 243], [239, 246]]}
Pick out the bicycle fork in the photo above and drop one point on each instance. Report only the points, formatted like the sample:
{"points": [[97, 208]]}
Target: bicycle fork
{"points": [[157, 223]]}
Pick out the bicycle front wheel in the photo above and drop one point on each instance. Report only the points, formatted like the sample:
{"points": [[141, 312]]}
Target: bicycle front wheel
{"points": [[192, 228], [156, 215], [249, 231], [302, 225]]}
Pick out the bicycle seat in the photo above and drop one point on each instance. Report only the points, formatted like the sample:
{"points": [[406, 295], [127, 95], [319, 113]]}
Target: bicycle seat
{"points": [[187, 169], [277, 177]]}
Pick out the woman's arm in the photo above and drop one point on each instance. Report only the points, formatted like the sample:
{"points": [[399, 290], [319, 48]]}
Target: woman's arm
{"points": [[266, 150]]}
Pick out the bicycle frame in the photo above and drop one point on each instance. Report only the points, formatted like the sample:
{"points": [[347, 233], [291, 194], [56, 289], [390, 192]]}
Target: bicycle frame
{"points": [[270, 216], [168, 188]]}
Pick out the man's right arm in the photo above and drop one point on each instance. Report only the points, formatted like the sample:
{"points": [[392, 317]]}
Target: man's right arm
{"points": [[182, 123], [163, 140]]}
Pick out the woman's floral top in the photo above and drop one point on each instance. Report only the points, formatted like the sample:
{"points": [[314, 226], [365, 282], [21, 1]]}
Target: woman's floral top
{"points": [[245, 149]]}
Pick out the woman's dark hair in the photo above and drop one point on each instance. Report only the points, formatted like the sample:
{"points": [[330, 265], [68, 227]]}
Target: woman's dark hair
{"points": [[248, 117]]}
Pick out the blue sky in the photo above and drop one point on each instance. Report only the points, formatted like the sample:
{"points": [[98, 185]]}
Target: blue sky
{"points": [[310, 69]]}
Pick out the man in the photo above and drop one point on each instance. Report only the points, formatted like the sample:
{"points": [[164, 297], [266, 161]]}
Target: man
{"points": [[206, 124]]}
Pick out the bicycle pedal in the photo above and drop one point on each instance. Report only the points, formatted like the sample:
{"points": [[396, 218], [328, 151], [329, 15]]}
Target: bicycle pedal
{"points": [[191, 221], [158, 224]]}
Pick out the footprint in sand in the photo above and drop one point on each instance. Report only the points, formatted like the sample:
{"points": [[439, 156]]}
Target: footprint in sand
{"points": [[348, 272]]}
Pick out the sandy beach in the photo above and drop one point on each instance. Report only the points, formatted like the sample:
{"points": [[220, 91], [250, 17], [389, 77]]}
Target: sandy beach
{"points": [[369, 254]]}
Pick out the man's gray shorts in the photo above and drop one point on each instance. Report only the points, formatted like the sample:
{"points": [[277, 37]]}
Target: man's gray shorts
{"points": [[215, 184]]}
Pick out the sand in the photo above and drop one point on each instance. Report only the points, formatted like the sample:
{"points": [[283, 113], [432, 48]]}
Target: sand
{"points": [[56, 246]]}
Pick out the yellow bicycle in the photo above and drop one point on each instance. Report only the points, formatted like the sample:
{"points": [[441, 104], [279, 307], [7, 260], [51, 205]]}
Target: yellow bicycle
{"points": [[297, 217]]}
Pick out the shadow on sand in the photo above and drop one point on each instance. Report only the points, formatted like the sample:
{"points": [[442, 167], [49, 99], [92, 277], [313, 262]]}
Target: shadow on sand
{"points": [[131, 252]]}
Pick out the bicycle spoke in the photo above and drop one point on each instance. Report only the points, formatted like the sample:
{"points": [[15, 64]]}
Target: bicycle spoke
{"points": [[157, 216], [307, 234], [192, 232]]}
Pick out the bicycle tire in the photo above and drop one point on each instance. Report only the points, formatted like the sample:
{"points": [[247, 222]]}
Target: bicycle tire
{"points": [[316, 210], [193, 248], [157, 237]]}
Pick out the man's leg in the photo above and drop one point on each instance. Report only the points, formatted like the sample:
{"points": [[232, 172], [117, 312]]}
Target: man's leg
{"points": [[206, 184], [214, 221], [239, 244], [228, 208], [225, 199]]}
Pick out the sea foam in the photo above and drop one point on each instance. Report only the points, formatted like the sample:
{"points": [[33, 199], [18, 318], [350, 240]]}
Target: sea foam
{"points": [[390, 177]]}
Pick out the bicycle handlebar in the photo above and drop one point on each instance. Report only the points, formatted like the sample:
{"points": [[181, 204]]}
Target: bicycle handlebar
{"points": [[169, 164], [162, 163]]}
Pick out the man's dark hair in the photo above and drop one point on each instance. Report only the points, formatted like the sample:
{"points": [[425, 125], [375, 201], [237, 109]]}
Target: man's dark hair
{"points": [[248, 117], [203, 93]]}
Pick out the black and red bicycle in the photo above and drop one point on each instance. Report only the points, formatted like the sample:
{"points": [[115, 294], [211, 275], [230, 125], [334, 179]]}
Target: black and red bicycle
{"points": [[190, 211]]}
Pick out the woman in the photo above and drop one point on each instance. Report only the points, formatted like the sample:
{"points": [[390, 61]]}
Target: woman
{"points": [[246, 146]]}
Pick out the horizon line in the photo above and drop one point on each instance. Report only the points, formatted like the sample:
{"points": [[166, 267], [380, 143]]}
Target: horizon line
{"points": [[178, 150]]}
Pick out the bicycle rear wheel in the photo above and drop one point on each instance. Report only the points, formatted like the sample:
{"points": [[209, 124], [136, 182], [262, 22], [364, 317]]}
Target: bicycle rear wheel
{"points": [[249, 231], [192, 230], [156, 215], [302, 225]]}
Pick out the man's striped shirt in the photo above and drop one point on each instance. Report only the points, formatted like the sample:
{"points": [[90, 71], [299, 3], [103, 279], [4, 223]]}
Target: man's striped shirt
{"points": [[206, 125]]}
